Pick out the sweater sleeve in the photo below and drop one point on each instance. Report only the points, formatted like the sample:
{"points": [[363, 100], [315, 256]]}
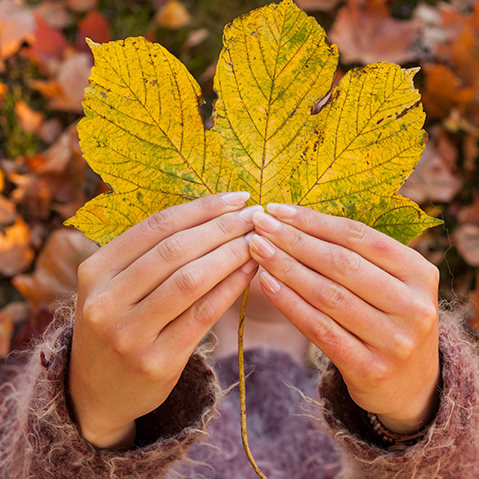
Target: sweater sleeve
{"points": [[39, 440], [449, 450]]}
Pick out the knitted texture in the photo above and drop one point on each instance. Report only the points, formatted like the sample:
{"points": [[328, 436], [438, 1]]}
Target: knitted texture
{"points": [[450, 449], [38, 439], [283, 428]]}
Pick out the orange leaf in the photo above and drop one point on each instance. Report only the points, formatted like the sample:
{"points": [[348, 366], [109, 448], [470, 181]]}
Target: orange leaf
{"points": [[17, 25], [367, 34], [48, 45], [94, 26], [81, 5], [173, 15], [29, 119], [16, 254], [55, 269], [65, 91]]}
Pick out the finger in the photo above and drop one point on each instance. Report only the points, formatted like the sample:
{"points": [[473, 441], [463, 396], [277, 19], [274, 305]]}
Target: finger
{"points": [[346, 351], [385, 252], [179, 338], [120, 253], [165, 258], [343, 266], [188, 284], [329, 297]]}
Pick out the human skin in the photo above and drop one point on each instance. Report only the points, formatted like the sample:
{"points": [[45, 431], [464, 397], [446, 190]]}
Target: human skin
{"points": [[145, 300], [367, 301]]}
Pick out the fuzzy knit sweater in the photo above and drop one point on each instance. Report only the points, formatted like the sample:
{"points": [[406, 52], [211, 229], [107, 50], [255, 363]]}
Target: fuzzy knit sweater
{"points": [[302, 424]]}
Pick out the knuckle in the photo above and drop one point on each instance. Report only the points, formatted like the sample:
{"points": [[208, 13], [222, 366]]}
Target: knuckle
{"points": [[223, 225], [189, 281], [427, 316], [86, 271], [332, 295], [433, 272], [346, 262], [148, 366], [403, 346], [121, 342], [172, 249], [204, 312], [323, 331], [238, 254], [296, 238], [94, 309], [286, 267], [378, 372], [161, 222], [356, 232]]}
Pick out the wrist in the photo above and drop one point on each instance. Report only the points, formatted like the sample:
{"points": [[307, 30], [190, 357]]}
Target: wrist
{"points": [[415, 420]]}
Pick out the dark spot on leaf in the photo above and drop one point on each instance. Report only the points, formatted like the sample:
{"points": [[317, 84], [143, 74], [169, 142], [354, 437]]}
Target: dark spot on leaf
{"points": [[379, 121], [153, 82], [103, 94]]}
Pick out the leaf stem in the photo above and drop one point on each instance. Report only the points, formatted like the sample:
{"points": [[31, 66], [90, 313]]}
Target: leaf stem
{"points": [[242, 386]]}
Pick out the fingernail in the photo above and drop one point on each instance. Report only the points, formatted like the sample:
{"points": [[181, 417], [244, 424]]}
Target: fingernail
{"points": [[249, 236], [281, 211], [247, 213], [236, 198], [266, 222], [261, 246], [269, 282], [250, 266]]}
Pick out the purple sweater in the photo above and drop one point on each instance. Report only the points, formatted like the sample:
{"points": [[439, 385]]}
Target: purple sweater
{"points": [[301, 423]]}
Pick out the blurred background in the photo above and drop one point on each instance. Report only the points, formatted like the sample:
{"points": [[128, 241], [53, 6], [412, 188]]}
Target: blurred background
{"points": [[44, 67]]}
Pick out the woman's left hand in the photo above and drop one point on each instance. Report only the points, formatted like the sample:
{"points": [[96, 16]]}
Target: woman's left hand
{"points": [[367, 301]]}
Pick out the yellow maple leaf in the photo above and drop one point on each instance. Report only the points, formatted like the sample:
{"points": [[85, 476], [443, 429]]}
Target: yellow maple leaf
{"points": [[144, 135]]}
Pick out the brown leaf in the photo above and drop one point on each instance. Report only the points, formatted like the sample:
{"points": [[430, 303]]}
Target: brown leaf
{"points": [[47, 47], [17, 24], [29, 119], [10, 316], [466, 239], [94, 26], [55, 273], [470, 213], [55, 14], [440, 90], [50, 130], [318, 5], [195, 38], [173, 15], [367, 34], [435, 177], [65, 91], [453, 90], [54, 178], [82, 5], [16, 253], [8, 212]]}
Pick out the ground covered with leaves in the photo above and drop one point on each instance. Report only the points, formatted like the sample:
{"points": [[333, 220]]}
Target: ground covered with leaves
{"points": [[44, 68]]}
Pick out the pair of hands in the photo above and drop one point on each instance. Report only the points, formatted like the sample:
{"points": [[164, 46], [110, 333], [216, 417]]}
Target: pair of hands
{"points": [[147, 298]]}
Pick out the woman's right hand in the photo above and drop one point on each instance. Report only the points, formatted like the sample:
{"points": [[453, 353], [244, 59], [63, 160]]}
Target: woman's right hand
{"points": [[145, 300]]}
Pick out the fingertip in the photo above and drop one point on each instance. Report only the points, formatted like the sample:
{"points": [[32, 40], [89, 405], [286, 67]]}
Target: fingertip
{"points": [[250, 266], [236, 198], [269, 282], [281, 210]]}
